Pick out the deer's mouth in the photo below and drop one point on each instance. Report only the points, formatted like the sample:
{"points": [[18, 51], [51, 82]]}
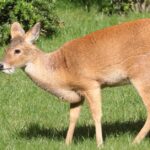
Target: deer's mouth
{"points": [[7, 68]]}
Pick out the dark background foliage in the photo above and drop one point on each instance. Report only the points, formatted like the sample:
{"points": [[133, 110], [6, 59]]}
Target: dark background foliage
{"points": [[27, 12], [115, 6]]}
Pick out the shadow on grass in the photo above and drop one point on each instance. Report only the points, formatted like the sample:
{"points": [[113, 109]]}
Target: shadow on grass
{"points": [[81, 132]]}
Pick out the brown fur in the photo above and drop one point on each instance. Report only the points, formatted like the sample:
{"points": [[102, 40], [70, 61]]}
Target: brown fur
{"points": [[82, 66]]}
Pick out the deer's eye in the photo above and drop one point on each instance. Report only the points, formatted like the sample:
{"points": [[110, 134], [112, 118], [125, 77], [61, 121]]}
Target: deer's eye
{"points": [[17, 51]]}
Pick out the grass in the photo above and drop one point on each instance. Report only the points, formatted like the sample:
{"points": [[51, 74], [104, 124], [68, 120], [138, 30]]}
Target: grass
{"points": [[31, 118]]}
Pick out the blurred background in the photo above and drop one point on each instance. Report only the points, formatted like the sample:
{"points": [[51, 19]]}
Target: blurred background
{"points": [[50, 12]]}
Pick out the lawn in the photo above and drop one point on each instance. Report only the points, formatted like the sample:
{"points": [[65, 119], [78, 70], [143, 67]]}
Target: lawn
{"points": [[31, 118]]}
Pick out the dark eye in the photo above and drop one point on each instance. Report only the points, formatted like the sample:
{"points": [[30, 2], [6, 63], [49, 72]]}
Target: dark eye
{"points": [[17, 51]]}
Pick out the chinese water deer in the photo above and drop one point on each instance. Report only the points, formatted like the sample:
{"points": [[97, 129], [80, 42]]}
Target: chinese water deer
{"points": [[82, 66]]}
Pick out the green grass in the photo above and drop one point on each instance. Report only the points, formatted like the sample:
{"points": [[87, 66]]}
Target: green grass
{"points": [[31, 118]]}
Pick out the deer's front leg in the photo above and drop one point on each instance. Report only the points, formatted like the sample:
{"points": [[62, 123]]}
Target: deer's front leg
{"points": [[75, 109], [94, 99], [68, 95]]}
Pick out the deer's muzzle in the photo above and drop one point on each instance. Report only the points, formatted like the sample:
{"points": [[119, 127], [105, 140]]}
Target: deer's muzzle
{"points": [[6, 68]]}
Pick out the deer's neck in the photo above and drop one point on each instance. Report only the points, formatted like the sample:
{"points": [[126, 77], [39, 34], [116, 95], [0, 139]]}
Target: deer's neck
{"points": [[47, 61], [45, 68]]}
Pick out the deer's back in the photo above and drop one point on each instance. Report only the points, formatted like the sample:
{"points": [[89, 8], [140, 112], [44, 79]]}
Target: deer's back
{"points": [[109, 50]]}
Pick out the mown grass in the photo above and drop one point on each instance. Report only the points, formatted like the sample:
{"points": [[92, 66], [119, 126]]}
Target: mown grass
{"points": [[31, 118]]}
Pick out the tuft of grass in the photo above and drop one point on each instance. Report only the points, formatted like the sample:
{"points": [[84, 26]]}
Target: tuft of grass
{"points": [[31, 118]]}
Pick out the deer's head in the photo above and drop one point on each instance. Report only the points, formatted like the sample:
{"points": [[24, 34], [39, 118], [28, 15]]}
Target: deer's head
{"points": [[21, 49]]}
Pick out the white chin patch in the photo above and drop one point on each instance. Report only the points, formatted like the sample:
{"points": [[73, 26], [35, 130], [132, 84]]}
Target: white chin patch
{"points": [[9, 70]]}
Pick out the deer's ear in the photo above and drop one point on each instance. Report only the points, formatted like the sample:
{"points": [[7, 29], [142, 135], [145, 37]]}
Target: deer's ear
{"points": [[33, 34], [16, 30]]}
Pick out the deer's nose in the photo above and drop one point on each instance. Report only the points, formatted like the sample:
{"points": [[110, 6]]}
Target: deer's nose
{"points": [[1, 66]]}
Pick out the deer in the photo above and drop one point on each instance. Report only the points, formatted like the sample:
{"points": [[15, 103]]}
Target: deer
{"points": [[79, 69]]}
